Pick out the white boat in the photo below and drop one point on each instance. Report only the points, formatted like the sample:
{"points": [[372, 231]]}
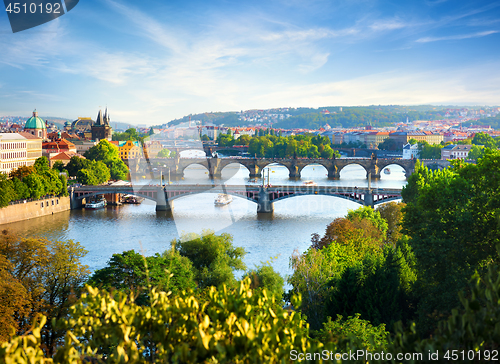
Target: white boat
{"points": [[387, 171], [223, 199], [309, 183], [96, 204]]}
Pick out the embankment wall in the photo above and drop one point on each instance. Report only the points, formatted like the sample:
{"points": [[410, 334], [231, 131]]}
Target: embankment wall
{"points": [[33, 209]]}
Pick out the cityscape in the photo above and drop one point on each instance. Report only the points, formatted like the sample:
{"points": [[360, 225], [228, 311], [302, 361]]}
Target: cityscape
{"points": [[248, 182]]}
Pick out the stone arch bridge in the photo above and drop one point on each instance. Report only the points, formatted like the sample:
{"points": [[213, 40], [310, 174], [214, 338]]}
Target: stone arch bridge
{"points": [[372, 166]]}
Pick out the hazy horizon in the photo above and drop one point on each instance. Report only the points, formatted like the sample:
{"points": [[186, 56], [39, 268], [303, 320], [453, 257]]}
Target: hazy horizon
{"points": [[155, 62]]}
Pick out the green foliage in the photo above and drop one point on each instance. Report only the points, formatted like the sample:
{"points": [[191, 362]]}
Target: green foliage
{"points": [[130, 134], [476, 152], [103, 151], [265, 277], [374, 338], [485, 140], [392, 213], [41, 165], [303, 146], [368, 213], [428, 151], [164, 153], [51, 276], [117, 169], [389, 144], [213, 256], [59, 166], [376, 287], [7, 191], [233, 326], [130, 272], [225, 140], [451, 216]]}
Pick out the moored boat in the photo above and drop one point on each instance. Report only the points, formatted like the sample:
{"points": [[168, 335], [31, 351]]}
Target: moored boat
{"points": [[96, 204], [309, 183], [223, 199], [387, 170]]}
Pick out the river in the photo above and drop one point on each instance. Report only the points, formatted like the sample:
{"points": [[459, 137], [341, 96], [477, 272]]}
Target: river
{"points": [[265, 238]]}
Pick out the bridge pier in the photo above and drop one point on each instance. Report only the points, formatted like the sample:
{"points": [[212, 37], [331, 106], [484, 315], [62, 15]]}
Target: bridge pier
{"points": [[264, 204], [75, 202], [333, 173], [368, 201], [374, 171], [162, 203]]}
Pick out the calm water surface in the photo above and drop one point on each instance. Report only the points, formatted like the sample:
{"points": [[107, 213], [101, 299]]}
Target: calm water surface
{"points": [[119, 228]]}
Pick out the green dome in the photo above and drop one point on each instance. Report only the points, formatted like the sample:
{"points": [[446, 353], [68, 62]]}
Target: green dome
{"points": [[35, 122]]}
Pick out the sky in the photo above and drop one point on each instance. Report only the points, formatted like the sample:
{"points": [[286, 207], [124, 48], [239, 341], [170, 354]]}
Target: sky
{"points": [[153, 61]]}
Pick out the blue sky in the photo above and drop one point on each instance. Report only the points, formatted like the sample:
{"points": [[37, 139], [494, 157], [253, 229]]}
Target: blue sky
{"points": [[152, 61]]}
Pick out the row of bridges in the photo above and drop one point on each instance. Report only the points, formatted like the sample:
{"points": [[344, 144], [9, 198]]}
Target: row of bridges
{"points": [[263, 196], [214, 166]]}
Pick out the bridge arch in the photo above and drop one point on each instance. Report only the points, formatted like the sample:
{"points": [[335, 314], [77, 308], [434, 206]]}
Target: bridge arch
{"points": [[314, 165], [191, 166], [353, 163], [400, 163], [226, 173]]}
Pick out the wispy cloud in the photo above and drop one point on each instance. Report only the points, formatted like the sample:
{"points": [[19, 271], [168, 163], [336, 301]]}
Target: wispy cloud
{"points": [[456, 37]]}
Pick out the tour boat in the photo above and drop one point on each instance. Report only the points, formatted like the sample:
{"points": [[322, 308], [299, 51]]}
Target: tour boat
{"points": [[387, 171], [309, 183], [223, 199], [96, 204]]}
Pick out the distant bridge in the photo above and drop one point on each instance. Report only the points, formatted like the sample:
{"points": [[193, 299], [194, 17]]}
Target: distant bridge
{"points": [[214, 166], [264, 197]]}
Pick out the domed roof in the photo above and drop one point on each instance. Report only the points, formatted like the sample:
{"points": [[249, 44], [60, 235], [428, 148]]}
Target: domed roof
{"points": [[35, 122]]}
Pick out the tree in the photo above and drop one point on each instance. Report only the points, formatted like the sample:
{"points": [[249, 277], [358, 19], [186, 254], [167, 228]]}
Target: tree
{"points": [[87, 177], [7, 191], [265, 277], [103, 151], [51, 275], [388, 144], [164, 153], [117, 169], [59, 166], [22, 172], [451, 216], [484, 140], [76, 164], [41, 165], [392, 213], [213, 256], [476, 152], [130, 272]]}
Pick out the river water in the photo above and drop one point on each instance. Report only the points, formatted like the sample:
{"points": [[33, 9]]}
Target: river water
{"points": [[265, 238]]}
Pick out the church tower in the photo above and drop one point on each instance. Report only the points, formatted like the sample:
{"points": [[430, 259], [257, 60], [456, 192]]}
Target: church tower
{"points": [[101, 129], [36, 126]]}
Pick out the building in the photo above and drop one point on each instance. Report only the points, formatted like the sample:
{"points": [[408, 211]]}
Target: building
{"points": [[17, 150], [410, 151], [36, 126], [64, 157], [402, 137], [152, 148], [129, 149], [83, 145], [373, 139], [51, 148], [453, 151], [101, 129]]}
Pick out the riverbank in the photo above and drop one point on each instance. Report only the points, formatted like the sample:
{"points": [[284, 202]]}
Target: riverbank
{"points": [[33, 209]]}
